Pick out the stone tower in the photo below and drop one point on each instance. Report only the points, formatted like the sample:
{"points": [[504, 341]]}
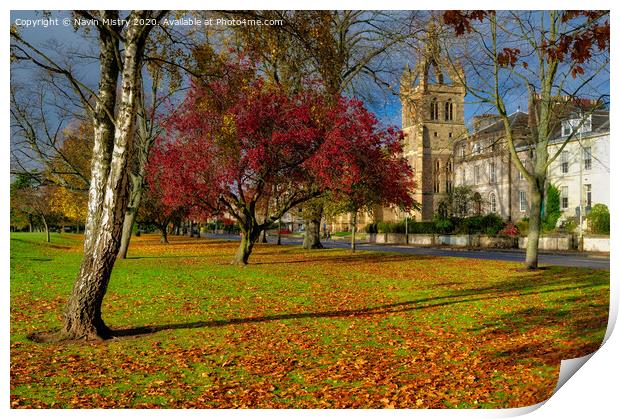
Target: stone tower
{"points": [[432, 98]]}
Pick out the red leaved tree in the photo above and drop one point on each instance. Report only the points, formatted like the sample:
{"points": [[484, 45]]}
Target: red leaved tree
{"points": [[233, 142], [362, 165]]}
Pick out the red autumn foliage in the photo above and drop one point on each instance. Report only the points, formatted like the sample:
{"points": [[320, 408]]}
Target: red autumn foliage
{"points": [[510, 230], [233, 142]]}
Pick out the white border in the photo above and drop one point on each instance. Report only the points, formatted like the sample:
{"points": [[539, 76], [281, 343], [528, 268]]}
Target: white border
{"points": [[591, 392]]}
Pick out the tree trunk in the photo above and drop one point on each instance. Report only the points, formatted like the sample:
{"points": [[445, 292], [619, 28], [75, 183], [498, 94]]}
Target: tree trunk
{"points": [[47, 230], [164, 233], [279, 232], [130, 217], [143, 142], [531, 253], [353, 230], [312, 238], [248, 238], [109, 191], [264, 237]]}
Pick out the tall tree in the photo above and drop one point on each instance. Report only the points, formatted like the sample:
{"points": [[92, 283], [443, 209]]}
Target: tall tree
{"points": [[349, 52], [36, 201], [112, 108], [370, 170], [234, 143], [557, 58]]}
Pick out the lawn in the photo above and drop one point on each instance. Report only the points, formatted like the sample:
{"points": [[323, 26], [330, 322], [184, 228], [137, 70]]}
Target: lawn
{"points": [[296, 328]]}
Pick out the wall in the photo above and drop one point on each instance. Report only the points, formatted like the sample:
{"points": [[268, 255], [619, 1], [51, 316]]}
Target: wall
{"points": [[550, 243], [596, 244]]}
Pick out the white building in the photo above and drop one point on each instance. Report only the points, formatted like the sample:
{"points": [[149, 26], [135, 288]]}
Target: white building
{"points": [[581, 171]]}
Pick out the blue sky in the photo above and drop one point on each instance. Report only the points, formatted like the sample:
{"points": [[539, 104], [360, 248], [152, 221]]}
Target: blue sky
{"points": [[60, 42]]}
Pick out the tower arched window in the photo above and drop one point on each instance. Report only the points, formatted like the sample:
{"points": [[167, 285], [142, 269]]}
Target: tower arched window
{"points": [[449, 176], [434, 110], [448, 110], [437, 173]]}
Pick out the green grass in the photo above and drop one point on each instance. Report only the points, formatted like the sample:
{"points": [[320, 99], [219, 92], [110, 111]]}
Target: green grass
{"points": [[300, 328]]}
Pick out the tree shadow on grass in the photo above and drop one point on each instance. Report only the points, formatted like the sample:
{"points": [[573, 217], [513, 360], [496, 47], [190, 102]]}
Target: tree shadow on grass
{"points": [[352, 259], [543, 283], [40, 243], [165, 257]]}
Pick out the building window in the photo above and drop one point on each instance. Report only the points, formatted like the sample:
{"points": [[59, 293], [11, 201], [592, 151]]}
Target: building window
{"points": [[463, 177], [477, 203], [564, 161], [566, 129], [449, 176], [522, 201], [520, 175], [588, 188], [476, 148], [435, 134], [569, 126], [493, 202], [492, 172], [587, 158], [476, 175], [434, 110], [448, 110], [463, 150], [564, 197], [449, 135], [437, 172]]}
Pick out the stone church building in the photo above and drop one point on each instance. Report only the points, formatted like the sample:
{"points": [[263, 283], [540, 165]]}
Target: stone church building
{"points": [[444, 154]]}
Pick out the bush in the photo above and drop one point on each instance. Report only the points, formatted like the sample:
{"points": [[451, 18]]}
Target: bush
{"points": [[570, 225], [524, 226], [599, 219], [371, 228], [492, 224], [385, 227], [510, 230], [552, 209], [424, 227], [443, 225]]}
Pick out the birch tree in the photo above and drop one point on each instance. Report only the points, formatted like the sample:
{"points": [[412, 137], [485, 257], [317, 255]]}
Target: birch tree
{"points": [[112, 107]]}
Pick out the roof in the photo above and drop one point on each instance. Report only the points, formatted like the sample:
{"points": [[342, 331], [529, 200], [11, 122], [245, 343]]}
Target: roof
{"points": [[515, 118], [600, 126]]}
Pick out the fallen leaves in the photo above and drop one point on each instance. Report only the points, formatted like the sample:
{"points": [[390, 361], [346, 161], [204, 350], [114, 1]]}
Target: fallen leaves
{"points": [[308, 330]]}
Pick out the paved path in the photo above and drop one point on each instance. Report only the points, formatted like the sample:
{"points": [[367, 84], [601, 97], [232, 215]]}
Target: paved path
{"points": [[555, 259]]}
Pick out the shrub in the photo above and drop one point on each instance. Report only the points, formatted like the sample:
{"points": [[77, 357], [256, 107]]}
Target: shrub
{"points": [[492, 224], [424, 227], [371, 228], [384, 227], [599, 219], [413, 227], [510, 230], [570, 224], [552, 209], [523, 226], [443, 225]]}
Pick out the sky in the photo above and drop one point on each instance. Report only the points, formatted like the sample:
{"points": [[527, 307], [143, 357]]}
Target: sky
{"points": [[62, 41]]}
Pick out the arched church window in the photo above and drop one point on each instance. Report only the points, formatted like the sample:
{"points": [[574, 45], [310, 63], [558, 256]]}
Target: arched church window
{"points": [[448, 110], [449, 176], [437, 176], [434, 110]]}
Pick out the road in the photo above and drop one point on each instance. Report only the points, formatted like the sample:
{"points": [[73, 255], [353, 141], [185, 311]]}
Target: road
{"points": [[544, 259]]}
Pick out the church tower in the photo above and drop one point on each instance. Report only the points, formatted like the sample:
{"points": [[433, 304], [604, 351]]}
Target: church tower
{"points": [[432, 98]]}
